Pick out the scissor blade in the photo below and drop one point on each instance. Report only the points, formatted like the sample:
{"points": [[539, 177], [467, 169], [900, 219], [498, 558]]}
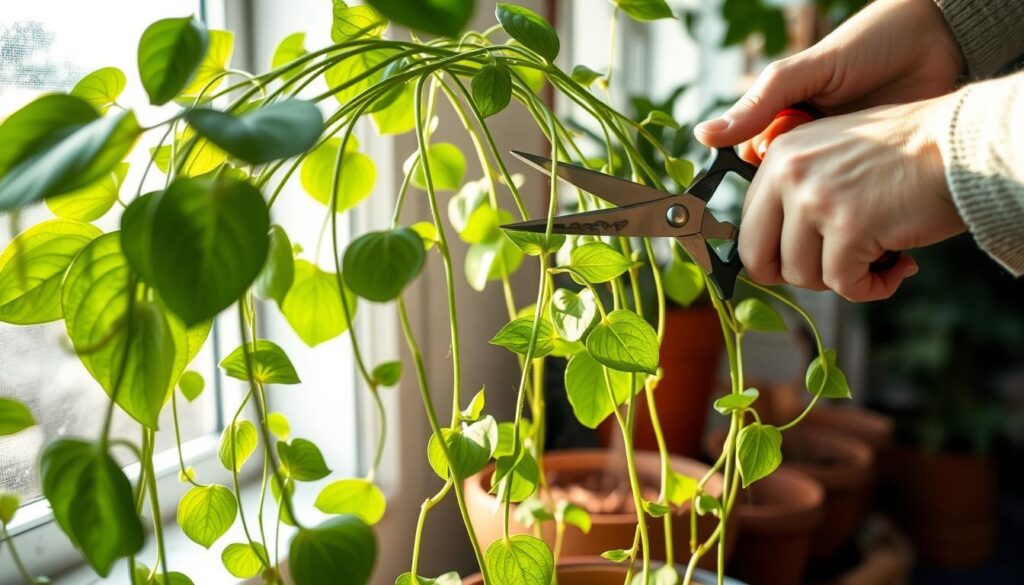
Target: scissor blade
{"points": [[640, 220], [612, 189]]}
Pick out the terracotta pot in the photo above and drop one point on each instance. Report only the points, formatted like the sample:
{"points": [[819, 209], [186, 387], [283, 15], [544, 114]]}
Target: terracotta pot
{"points": [[949, 505], [597, 571], [778, 516], [689, 364], [842, 465], [608, 531], [874, 428]]}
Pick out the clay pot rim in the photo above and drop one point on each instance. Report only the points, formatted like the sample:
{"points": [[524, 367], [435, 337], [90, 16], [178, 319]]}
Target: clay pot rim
{"points": [[646, 461], [801, 512], [873, 427], [602, 566]]}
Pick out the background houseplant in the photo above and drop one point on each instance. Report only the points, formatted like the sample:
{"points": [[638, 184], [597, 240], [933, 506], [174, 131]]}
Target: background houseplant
{"points": [[138, 302]]}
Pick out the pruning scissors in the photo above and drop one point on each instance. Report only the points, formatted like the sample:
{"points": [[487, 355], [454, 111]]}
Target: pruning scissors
{"points": [[643, 211]]}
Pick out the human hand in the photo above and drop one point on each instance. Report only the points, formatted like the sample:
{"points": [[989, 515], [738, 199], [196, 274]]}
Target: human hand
{"points": [[833, 195], [893, 51]]}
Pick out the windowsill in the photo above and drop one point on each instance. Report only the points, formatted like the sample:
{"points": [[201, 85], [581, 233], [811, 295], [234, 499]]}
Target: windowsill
{"points": [[201, 565]]}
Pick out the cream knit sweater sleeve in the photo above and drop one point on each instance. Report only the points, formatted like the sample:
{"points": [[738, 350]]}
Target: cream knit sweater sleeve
{"points": [[983, 149]]}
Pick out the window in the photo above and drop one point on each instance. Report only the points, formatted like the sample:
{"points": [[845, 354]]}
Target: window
{"points": [[46, 46]]}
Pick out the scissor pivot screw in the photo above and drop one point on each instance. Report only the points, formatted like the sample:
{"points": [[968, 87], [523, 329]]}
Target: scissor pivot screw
{"points": [[677, 215]]}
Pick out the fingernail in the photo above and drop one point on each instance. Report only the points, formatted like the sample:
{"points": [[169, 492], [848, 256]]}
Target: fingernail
{"points": [[716, 125]]}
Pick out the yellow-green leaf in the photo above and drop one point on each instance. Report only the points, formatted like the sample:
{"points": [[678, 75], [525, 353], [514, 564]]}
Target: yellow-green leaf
{"points": [[101, 88], [237, 444], [92, 201], [313, 304], [206, 513], [358, 497], [357, 175]]}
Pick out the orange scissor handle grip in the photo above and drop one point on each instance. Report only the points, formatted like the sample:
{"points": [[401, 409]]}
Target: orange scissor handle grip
{"points": [[793, 117]]}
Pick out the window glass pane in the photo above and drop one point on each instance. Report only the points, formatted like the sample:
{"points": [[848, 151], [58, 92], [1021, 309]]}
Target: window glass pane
{"points": [[47, 45]]}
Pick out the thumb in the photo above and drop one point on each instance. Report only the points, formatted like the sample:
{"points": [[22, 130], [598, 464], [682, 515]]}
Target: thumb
{"points": [[781, 84]]}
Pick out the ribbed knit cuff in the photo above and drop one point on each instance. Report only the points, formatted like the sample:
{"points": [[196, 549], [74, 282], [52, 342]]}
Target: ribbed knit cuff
{"points": [[990, 32], [983, 157]]}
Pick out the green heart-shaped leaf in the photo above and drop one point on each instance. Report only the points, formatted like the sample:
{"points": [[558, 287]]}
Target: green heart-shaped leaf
{"points": [[756, 315], [447, 167], [470, 448], [33, 266], [313, 304], [731, 402], [191, 385], [520, 476], [584, 75], [491, 260], [492, 89], [237, 443], [340, 551], [530, 29], [169, 54], [14, 417], [645, 9], [825, 376], [683, 282], [516, 335], [598, 262], [92, 501], [243, 559], [301, 460], [358, 497], [624, 341], [209, 243], [270, 364], [535, 244], [379, 265], [758, 451], [387, 373], [92, 201], [587, 389], [353, 22], [206, 513], [101, 88], [520, 560], [279, 130], [357, 175], [210, 71], [680, 488]]}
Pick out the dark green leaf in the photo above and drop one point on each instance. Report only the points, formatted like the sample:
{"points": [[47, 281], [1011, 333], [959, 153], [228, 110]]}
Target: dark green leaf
{"points": [[270, 364], [33, 266], [708, 504], [340, 551], [530, 29], [437, 17], [758, 452], [358, 497], [645, 9], [832, 385], [624, 341], [313, 304], [587, 389], [520, 560], [516, 335], [14, 417], [492, 89], [757, 315], [92, 501], [83, 156], [573, 314], [208, 245], [379, 265], [731, 402], [101, 88], [243, 560], [9, 504], [137, 234], [598, 262], [206, 513], [237, 443], [279, 130], [470, 448], [387, 373], [278, 273], [302, 460], [41, 124], [169, 54]]}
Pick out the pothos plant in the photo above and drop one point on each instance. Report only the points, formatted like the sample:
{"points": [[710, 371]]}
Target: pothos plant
{"points": [[139, 302]]}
